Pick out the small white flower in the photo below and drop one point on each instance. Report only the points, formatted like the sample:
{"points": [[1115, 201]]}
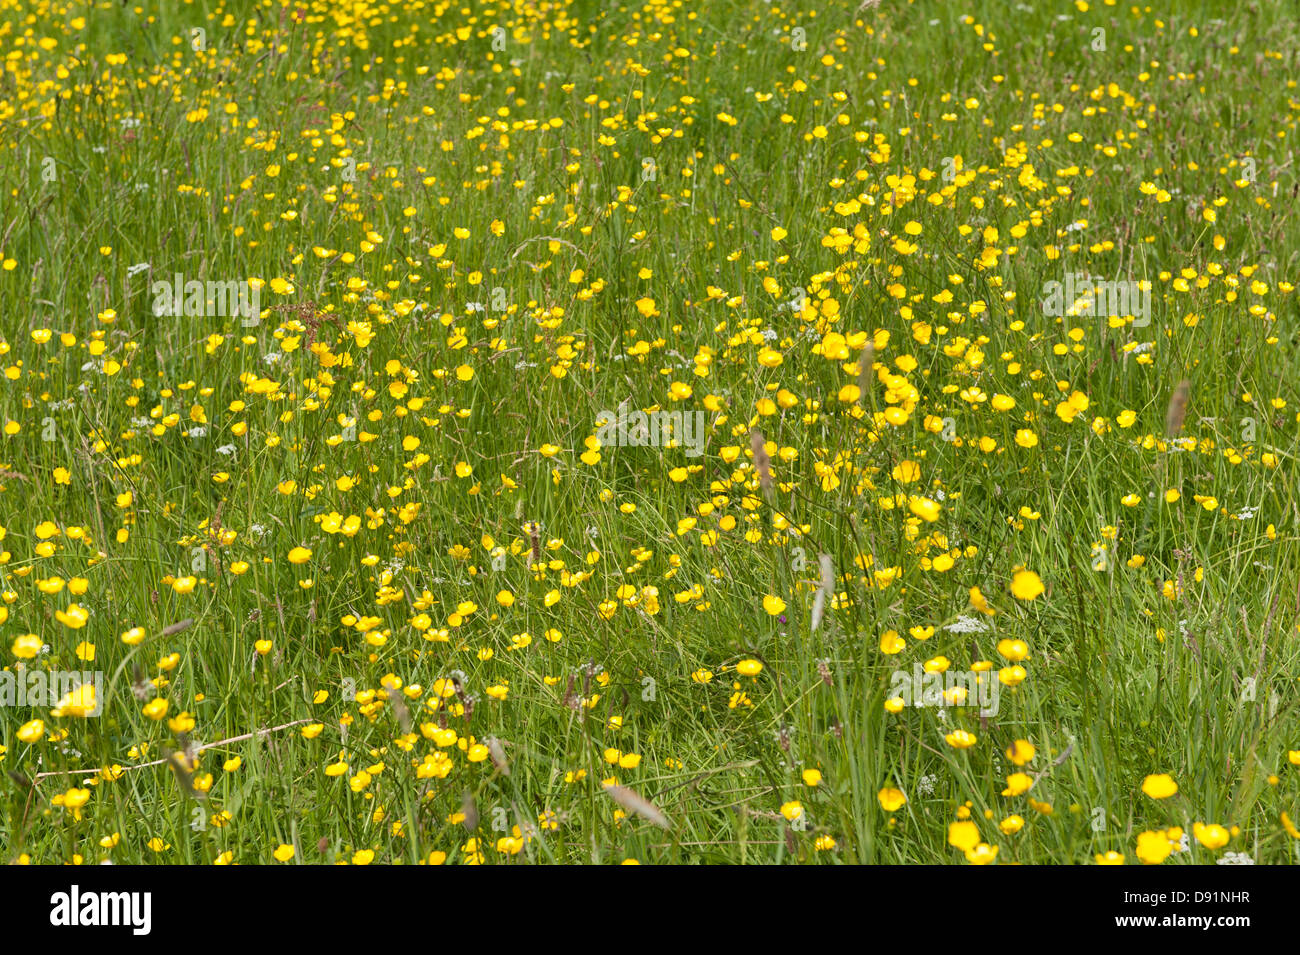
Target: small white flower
{"points": [[1235, 858], [965, 624]]}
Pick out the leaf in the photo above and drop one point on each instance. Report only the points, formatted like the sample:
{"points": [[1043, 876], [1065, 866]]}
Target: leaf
{"points": [[825, 590], [634, 802]]}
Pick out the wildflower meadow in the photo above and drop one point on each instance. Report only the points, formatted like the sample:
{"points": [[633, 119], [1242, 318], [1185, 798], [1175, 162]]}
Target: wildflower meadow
{"points": [[649, 432]]}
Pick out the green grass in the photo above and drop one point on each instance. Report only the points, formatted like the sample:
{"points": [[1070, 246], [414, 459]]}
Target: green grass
{"points": [[419, 205]]}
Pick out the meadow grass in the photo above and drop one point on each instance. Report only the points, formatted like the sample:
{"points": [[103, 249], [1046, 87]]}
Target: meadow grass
{"points": [[369, 577]]}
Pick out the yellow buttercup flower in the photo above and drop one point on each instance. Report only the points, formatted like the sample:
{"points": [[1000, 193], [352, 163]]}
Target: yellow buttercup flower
{"points": [[1154, 848], [1026, 585], [891, 799], [1159, 786], [963, 835], [1212, 836]]}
